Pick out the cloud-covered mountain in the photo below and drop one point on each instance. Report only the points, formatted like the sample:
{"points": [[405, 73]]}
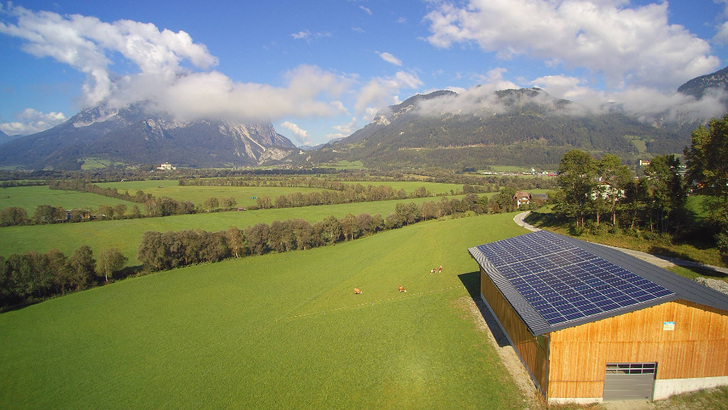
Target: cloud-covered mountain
{"points": [[698, 87], [4, 137], [482, 127], [133, 136]]}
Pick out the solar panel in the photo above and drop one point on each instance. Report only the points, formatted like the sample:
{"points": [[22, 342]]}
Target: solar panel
{"points": [[564, 282]]}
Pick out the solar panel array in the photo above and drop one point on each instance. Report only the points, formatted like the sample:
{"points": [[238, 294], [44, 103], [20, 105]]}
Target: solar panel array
{"points": [[564, 282]]}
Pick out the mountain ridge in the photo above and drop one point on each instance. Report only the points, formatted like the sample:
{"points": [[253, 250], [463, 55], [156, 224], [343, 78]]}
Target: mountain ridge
{"points": [[133, 135]]}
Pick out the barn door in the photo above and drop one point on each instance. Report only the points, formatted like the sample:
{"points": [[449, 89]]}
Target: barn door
{"points": [[629, 381]]}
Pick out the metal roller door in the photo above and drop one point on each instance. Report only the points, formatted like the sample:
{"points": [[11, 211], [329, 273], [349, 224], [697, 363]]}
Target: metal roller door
{"points": [[629, 381]]}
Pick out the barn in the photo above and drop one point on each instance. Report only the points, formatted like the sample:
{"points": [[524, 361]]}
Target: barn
{"points": [[593, 324]]}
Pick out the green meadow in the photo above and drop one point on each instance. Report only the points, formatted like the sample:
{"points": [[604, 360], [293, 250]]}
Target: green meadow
{"points": [[244, 195], [30, 197], [280, 330], [125, 234]]}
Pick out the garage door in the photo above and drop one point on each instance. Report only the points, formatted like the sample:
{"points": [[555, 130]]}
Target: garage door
{"points": [[629, 381]]}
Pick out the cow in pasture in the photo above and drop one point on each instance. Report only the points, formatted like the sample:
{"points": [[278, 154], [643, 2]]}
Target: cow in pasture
{"points": [[401, 289], [357, 291]]}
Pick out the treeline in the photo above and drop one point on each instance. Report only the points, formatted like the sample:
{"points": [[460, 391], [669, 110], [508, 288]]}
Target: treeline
{"points": [[604, 194], [161, 251], [84, 186], [342, 180], [33, 276], [594, 190]]}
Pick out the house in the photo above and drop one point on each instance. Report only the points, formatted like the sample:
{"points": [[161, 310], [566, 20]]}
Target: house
{"points": [[521, 198], [166, 166], [591, 323], [644, 162]]}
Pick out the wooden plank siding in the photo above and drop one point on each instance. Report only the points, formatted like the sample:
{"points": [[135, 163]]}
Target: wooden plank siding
{"points": [[527, 345], [698, 347]]}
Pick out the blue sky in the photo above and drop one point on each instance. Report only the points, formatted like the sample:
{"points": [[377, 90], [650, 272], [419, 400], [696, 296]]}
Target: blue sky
{"points": [[321, 69]]}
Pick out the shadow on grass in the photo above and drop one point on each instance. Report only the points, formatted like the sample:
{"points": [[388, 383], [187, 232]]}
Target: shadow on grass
{"points": [[471, 282]]}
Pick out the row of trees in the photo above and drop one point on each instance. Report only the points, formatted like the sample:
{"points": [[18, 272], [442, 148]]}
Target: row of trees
{"points": [[161, 251], [32, 277], [591, 188]]}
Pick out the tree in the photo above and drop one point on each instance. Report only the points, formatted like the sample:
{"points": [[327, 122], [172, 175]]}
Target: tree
{"points": [[577, 179], [119, 211], [212, 204], [616, 176], [706, 164], [83, 267], [47, 214], [228, 203], [235, 240], [331, 232], [105, 212], [257, 238], [12, 216], [350, 227], [110, 260], [666, 192], [151, 251]]}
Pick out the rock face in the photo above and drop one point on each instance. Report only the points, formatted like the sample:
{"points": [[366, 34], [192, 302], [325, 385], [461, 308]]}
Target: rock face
{"points": [[697, 87], [132, 135]]}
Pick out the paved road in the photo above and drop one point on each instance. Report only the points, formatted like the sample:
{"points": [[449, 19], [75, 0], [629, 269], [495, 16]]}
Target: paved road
{"points": [[661, 261]]}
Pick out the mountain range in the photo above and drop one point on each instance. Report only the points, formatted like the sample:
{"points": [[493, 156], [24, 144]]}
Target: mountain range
{"points": [[524, 127], [473, 129], [133, 135]]}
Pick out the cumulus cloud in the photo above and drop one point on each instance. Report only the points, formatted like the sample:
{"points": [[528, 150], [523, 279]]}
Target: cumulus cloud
{"points": [[343, 130], [382, 91], [174, 74], [31, 121], [85, 43], [299, 134], [388, 57], [627, 45]]}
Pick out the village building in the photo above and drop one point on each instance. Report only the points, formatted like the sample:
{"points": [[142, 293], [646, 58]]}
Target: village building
{"points": [[591, 323], [521, 198], [166, 166]]}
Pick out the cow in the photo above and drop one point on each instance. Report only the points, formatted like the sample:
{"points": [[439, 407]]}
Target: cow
{"points": [[357, 291], [401, 289]]}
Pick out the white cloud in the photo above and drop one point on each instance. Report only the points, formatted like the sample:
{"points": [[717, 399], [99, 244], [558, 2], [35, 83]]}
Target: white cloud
{"points": [[299, 134], [85, 43], [163, 79], [307, 35], [366, 10], [390, 58], [722, 34], [343, 130], [627, 45], [31, 121], [381, 91], [214, 95]]}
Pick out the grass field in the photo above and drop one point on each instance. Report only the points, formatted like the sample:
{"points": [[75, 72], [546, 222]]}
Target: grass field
{"points": [[244, 195], [30, 197], [281, 330], [126, 234]]}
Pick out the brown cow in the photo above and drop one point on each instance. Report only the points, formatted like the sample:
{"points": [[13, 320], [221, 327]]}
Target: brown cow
{"points": [[401, 289], [357, 291]]}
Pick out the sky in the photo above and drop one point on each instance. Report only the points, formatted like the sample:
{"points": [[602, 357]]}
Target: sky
{"points": [[320, 70]]}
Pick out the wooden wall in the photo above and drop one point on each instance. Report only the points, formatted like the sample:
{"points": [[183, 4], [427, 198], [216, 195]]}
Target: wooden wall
{"points": [[698, 347], [535, 356]]}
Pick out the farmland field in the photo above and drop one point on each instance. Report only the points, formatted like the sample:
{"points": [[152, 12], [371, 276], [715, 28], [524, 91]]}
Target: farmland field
{"points": [[30, 197], [281, 330], [126, 234], [244, 195]]}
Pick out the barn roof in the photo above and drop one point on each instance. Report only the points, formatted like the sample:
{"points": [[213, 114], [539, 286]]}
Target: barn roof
{"points": [[554, 282]]}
